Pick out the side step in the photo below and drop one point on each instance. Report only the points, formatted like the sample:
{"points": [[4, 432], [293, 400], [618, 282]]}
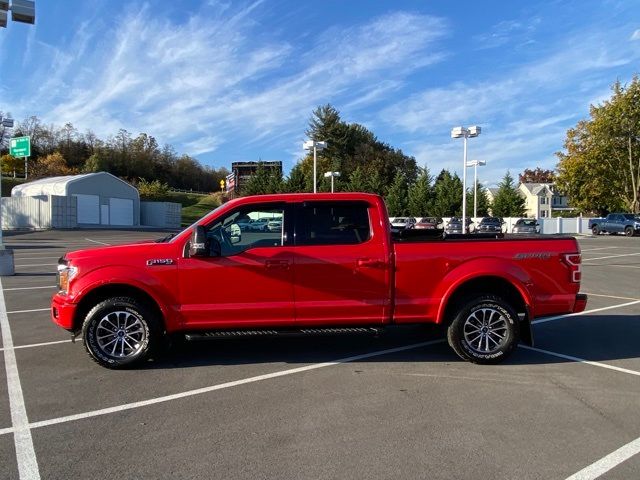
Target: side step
{"points": [[297, 332]]}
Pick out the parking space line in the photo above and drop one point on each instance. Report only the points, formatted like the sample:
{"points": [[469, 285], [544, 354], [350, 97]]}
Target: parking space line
{"points": [[612, 266], [25, 453], [221, 386], [29, 311], [610, 296], [607, 463], [594, 249], [560, 317], [98, 242], [28, 288], [42, 344], [581, 360], [35, 264], [610, 256]]}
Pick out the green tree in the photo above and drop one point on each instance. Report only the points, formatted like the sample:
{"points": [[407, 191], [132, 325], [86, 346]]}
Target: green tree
{"points": [[508, 201], [421, 194], [397, 202], [297, 181], [447, 196], [152, 189], [600, 167], [357, 181], [263, 181], [95, 163]]}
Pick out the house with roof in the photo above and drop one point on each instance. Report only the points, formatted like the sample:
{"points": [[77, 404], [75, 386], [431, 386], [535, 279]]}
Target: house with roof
{"points": [[542, 199]]}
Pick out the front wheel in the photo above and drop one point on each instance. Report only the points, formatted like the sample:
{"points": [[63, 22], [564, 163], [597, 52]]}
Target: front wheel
{"points": [[628, 231], [119, 332], [484, 330], [595, 230]]}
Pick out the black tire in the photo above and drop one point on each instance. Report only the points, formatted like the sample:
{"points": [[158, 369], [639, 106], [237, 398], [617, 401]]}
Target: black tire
{"points": [[628, 231], [474, 321], [595, 230], [124, 323]]}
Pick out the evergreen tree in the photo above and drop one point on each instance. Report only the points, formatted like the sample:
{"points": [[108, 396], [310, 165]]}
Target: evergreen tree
{"points": [[375, 183], [483, 201], [357, 181], [421, 194], [508, 202], [447, 199], [397, 196], [297, 181], [258, 183]]}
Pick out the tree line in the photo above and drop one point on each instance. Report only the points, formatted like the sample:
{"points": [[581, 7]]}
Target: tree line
{"points": [[66, 151], [368, 165]]}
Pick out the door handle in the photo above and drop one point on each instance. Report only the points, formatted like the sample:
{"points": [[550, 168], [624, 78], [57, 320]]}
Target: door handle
{"points": [[370, 263], [276, 264]]}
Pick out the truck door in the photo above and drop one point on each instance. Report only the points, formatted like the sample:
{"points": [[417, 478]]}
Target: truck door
{"points": [[248, 281], [341, 272]]}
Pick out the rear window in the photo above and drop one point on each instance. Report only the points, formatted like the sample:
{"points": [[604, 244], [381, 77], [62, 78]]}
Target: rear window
{"points": [[332, 223]]}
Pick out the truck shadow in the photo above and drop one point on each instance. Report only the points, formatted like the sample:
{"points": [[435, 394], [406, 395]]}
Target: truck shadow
{"points": [[596, 338]]}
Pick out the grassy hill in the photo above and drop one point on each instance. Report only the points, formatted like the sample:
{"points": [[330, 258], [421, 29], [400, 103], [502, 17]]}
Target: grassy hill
{"points": [[193, 212]]}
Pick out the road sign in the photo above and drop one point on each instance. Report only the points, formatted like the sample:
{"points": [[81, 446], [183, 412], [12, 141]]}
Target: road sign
{"points": [[20, 147]]}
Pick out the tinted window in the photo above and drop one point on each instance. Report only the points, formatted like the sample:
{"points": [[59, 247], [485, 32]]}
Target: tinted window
{"points": [[249, 227], [339, 223]]}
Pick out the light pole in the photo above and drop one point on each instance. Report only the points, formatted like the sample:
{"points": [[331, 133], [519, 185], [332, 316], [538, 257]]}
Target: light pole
{"points": [[312, 144], [464, 133], [7, 266], [332, 175], [475, 164], [23, 11]]}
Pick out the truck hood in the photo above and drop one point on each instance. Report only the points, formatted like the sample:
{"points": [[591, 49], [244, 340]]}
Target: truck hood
{"points": [[105, 254]]}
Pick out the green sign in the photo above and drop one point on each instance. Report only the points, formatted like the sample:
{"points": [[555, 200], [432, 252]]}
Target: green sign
{"points": [[20, 147]]}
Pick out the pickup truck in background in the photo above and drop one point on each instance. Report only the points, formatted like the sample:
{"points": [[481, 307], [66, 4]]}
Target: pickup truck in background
{"points": [[623, 223], [332, 266]]}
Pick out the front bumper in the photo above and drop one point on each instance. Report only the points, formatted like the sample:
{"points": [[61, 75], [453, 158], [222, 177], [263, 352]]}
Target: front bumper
{"points": [[63, 312]]}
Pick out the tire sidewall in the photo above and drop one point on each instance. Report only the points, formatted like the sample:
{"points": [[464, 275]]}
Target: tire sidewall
{"points": [[463, 346], [89, 332], [628, 231], [595, 231]]}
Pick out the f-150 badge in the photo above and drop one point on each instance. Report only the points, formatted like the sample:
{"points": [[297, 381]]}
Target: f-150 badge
{"points": [[159, 261]]}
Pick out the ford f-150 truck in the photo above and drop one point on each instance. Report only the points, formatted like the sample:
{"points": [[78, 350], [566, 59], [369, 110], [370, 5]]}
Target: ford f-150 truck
{"points": [[333, 264], [614, 223]]}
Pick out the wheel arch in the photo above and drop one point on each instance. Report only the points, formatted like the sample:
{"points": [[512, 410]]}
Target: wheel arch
{"points": [[102, 292]]}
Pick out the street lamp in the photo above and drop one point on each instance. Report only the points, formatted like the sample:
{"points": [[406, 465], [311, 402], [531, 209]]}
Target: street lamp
{"points": [[464, 133], [475, 164], [332, 175], [312, 144], [7, 266], [23, 11]]}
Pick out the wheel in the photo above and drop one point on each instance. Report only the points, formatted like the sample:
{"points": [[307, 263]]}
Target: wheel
{"points": [[484, 330], [628, 231], [595, 230], [119, 332]]}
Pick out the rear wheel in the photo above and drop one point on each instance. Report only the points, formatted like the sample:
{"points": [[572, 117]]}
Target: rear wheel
{"points": [[119, 332], [484, 330], [628, 231], [595, 230]]}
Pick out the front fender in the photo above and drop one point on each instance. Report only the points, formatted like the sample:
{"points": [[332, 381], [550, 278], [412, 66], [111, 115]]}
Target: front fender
{"points": [[484, 267], [154, 286]]}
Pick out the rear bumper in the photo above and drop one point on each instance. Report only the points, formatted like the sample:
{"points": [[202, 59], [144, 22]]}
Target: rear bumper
{"points": [[581, 303], [62, 312]]}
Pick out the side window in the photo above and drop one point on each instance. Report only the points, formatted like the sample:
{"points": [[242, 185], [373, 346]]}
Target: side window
{"points": [[248, 227], [332, 223]]}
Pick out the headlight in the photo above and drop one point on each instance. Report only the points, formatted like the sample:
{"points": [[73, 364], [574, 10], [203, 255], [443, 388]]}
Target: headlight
{"points": [[65, 275]]}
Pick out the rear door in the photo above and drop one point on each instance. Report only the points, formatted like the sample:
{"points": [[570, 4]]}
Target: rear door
{"points": [[341, 271]]}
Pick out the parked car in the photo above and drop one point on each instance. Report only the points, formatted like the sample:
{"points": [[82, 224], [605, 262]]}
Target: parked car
{"points": [[428, 223], [208, 283], [259, 225], [454, 225], [403, 223], [526, 225], [490, 225], [274, 225], [614, 223], [244, 224]]}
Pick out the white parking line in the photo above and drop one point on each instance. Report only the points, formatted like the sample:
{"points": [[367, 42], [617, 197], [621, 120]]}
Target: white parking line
{"points": [[594, 249], [29, 311], [43, 344], [605, 464], [610, 296], [560, 317], [25, 453], [28, 288], [220, 386], [35, 264], [610, 256], [96, 241]]}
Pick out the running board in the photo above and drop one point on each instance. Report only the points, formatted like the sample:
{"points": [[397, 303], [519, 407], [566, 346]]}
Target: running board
{"points": [[217, 334]]}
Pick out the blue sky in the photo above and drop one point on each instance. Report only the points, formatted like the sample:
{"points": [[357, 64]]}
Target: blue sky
{"points": [[227, 81]]}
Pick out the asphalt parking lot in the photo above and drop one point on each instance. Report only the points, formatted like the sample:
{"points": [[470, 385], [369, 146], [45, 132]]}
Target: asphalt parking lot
{"points": [[400, 405]]}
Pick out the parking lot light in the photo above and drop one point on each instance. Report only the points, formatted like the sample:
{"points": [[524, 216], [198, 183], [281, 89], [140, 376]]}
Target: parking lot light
{"points": [[475, 164], [312, 144], [332, 175], [464, 133]]}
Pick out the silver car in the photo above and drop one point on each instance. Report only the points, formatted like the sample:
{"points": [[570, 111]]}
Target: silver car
{"points": [[526, 225]]}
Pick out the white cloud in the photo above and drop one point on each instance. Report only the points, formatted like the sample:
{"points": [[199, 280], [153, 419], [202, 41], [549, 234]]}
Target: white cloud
{"points": [[635, 35]]}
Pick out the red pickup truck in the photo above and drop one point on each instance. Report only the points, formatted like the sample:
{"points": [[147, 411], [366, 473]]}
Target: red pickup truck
{"points": [[328, 262]]}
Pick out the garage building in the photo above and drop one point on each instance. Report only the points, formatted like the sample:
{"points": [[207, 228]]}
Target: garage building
{"points": [[102, 199]]}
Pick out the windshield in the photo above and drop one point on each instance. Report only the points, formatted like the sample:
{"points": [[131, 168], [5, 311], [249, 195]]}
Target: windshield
{"points": [[631, 216]]}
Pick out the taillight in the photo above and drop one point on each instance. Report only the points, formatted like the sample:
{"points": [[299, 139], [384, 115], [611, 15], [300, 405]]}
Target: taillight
{"points": [[573, 262]]}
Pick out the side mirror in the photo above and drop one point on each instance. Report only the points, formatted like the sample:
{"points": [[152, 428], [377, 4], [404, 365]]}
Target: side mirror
{"points": [[235, 233], [199, 246]]}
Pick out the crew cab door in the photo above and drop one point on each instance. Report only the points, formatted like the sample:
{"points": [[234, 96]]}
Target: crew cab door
{"points": [[248, 279], [341, 268]]}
